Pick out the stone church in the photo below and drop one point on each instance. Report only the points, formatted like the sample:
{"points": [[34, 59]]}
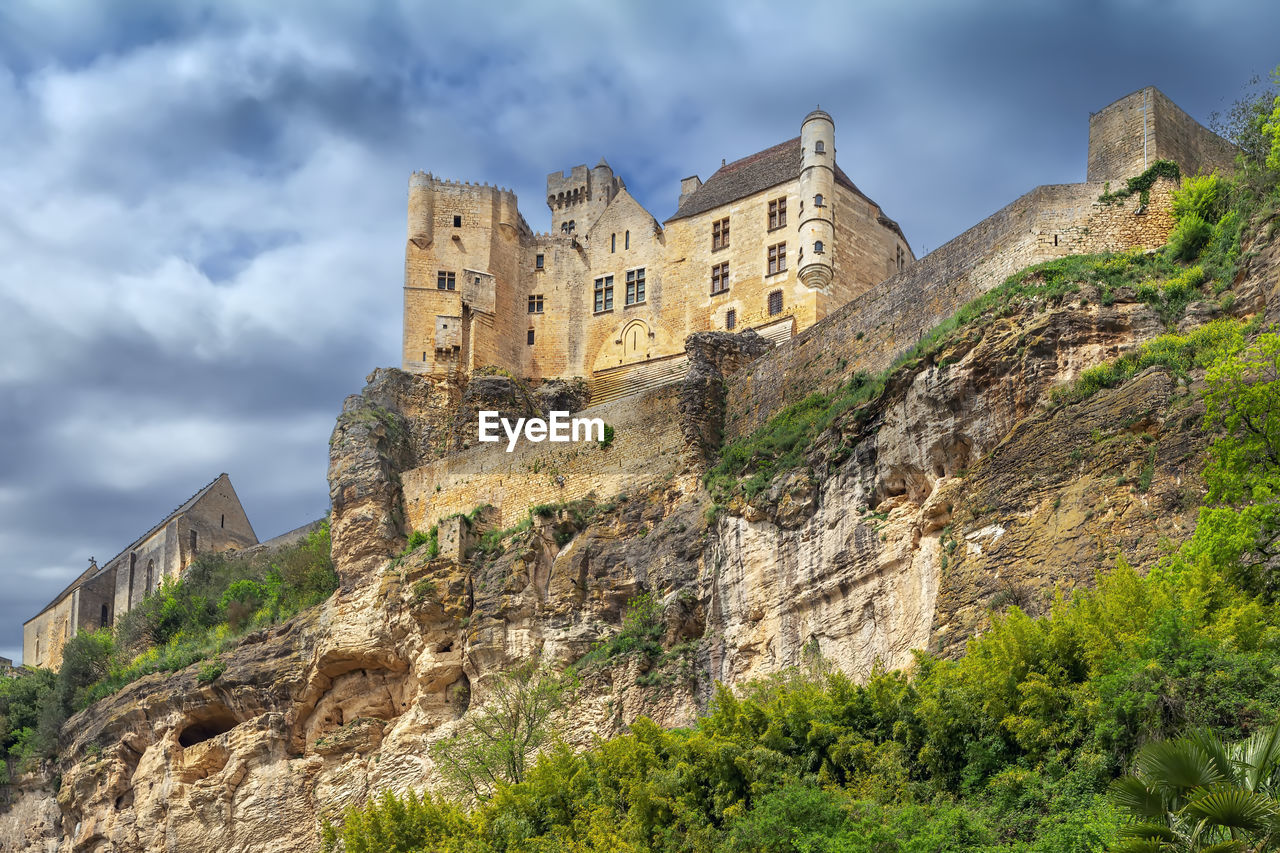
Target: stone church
{"points": [[210, 520]]}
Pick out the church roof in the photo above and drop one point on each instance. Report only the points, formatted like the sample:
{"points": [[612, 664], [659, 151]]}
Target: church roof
{"points": [[758, 172], [95, 570]]}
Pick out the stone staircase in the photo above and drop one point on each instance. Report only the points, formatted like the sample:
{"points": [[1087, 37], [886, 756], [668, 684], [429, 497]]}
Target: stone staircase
{"points": [[633, 378]]}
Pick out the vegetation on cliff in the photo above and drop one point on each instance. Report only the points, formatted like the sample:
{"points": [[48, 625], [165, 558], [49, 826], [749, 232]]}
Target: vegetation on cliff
{"points": [[1011, 747], [217, 600]]}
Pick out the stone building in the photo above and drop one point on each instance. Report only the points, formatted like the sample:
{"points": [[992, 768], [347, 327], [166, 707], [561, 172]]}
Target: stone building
{"points": [[210, 520], [771, 242]]}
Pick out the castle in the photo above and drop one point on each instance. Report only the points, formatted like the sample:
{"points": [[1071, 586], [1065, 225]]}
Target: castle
{"points": [[771, 242], [481, 288]]}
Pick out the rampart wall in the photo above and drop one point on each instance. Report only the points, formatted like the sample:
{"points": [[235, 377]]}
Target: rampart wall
{"points": [[872, 330], [645, 451]]}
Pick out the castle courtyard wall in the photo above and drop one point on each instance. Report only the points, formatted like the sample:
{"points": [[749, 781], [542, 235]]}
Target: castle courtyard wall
{"points": [[871, 331], [645, 452]]}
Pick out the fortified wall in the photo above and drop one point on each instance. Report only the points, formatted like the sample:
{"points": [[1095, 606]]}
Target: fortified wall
{"points": [[645, 451], [1053, 221]]}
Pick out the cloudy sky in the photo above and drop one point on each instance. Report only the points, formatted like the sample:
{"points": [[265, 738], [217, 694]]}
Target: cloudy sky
{"points": [[202, 204]]}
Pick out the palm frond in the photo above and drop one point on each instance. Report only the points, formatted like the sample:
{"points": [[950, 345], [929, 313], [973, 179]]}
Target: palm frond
{"points": [[1232, 807], [1178, 766], [1260, 755], [1131, 793]]}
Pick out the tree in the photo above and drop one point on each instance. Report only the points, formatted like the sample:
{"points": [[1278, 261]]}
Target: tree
{"points": [[495, 743], [1239, 528], [1199, 795]]}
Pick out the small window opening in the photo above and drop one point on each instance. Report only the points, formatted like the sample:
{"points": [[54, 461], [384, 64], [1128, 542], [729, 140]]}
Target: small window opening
{"points": [[224, 521], [539, 262], [819, 147], [817, 200], [1055, 239], [531, 337], [457, 222], [106, 616], [195, 538], [817, 247], [626, 242], [730, 319], [613, 242], [775, 302]]}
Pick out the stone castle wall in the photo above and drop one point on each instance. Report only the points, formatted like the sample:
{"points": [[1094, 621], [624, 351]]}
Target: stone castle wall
{"points": [[871, 331], [1129, 135], [645, 451]]}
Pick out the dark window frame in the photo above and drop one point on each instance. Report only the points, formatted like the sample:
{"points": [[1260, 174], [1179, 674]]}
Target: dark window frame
{"points": [[720, 234], [635, 294], [720, 278], [535, 303], [603, 294], [777, 213], [774, 303], [776, 259], [446, 280]]}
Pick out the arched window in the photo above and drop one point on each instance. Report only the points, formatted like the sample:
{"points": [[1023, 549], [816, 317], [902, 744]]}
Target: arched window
{"points": [[817, 200], [775, 302], [106, 616], [819, 147], [817, 247], [730, 319]]}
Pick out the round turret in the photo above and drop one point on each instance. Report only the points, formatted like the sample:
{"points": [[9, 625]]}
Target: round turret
{"points": [[815, 225], [421, 207]]}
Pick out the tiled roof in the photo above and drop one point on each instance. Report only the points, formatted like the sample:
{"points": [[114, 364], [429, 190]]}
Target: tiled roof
{"points": [[750, 175]]}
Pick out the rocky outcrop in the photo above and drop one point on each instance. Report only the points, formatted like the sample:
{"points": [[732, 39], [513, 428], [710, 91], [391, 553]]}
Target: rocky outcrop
{"points": [[712, 357], [958, 492]]}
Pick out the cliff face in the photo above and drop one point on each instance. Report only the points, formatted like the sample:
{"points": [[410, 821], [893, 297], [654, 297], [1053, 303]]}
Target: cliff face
{"points": [[955, 493]]}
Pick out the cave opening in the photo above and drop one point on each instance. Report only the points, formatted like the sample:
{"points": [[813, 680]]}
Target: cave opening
{"points": [[208, 725]]}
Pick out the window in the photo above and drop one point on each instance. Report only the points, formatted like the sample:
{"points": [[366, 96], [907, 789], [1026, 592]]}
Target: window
{"points": [[817, 200], [635, 286], [151, 572], [106, 616], [445, 280], [535, 303], [775, 302], [604, 294], [613, 242], [819, 147], [777, 213], [224, 518], [531, 337], [777, 258], [194, 540], [457, 222], [730, 319], [539, 262], [720, 234], [627, 240], [817, 247], [719, 278], [902, 259]]}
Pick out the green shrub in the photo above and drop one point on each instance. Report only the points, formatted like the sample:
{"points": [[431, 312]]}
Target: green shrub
{"points": [[210, 671], [1204, 196], [1190, 235]]}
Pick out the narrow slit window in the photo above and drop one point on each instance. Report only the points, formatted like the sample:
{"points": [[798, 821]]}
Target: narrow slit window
{"points": [[626, 240], [531, 337]]}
